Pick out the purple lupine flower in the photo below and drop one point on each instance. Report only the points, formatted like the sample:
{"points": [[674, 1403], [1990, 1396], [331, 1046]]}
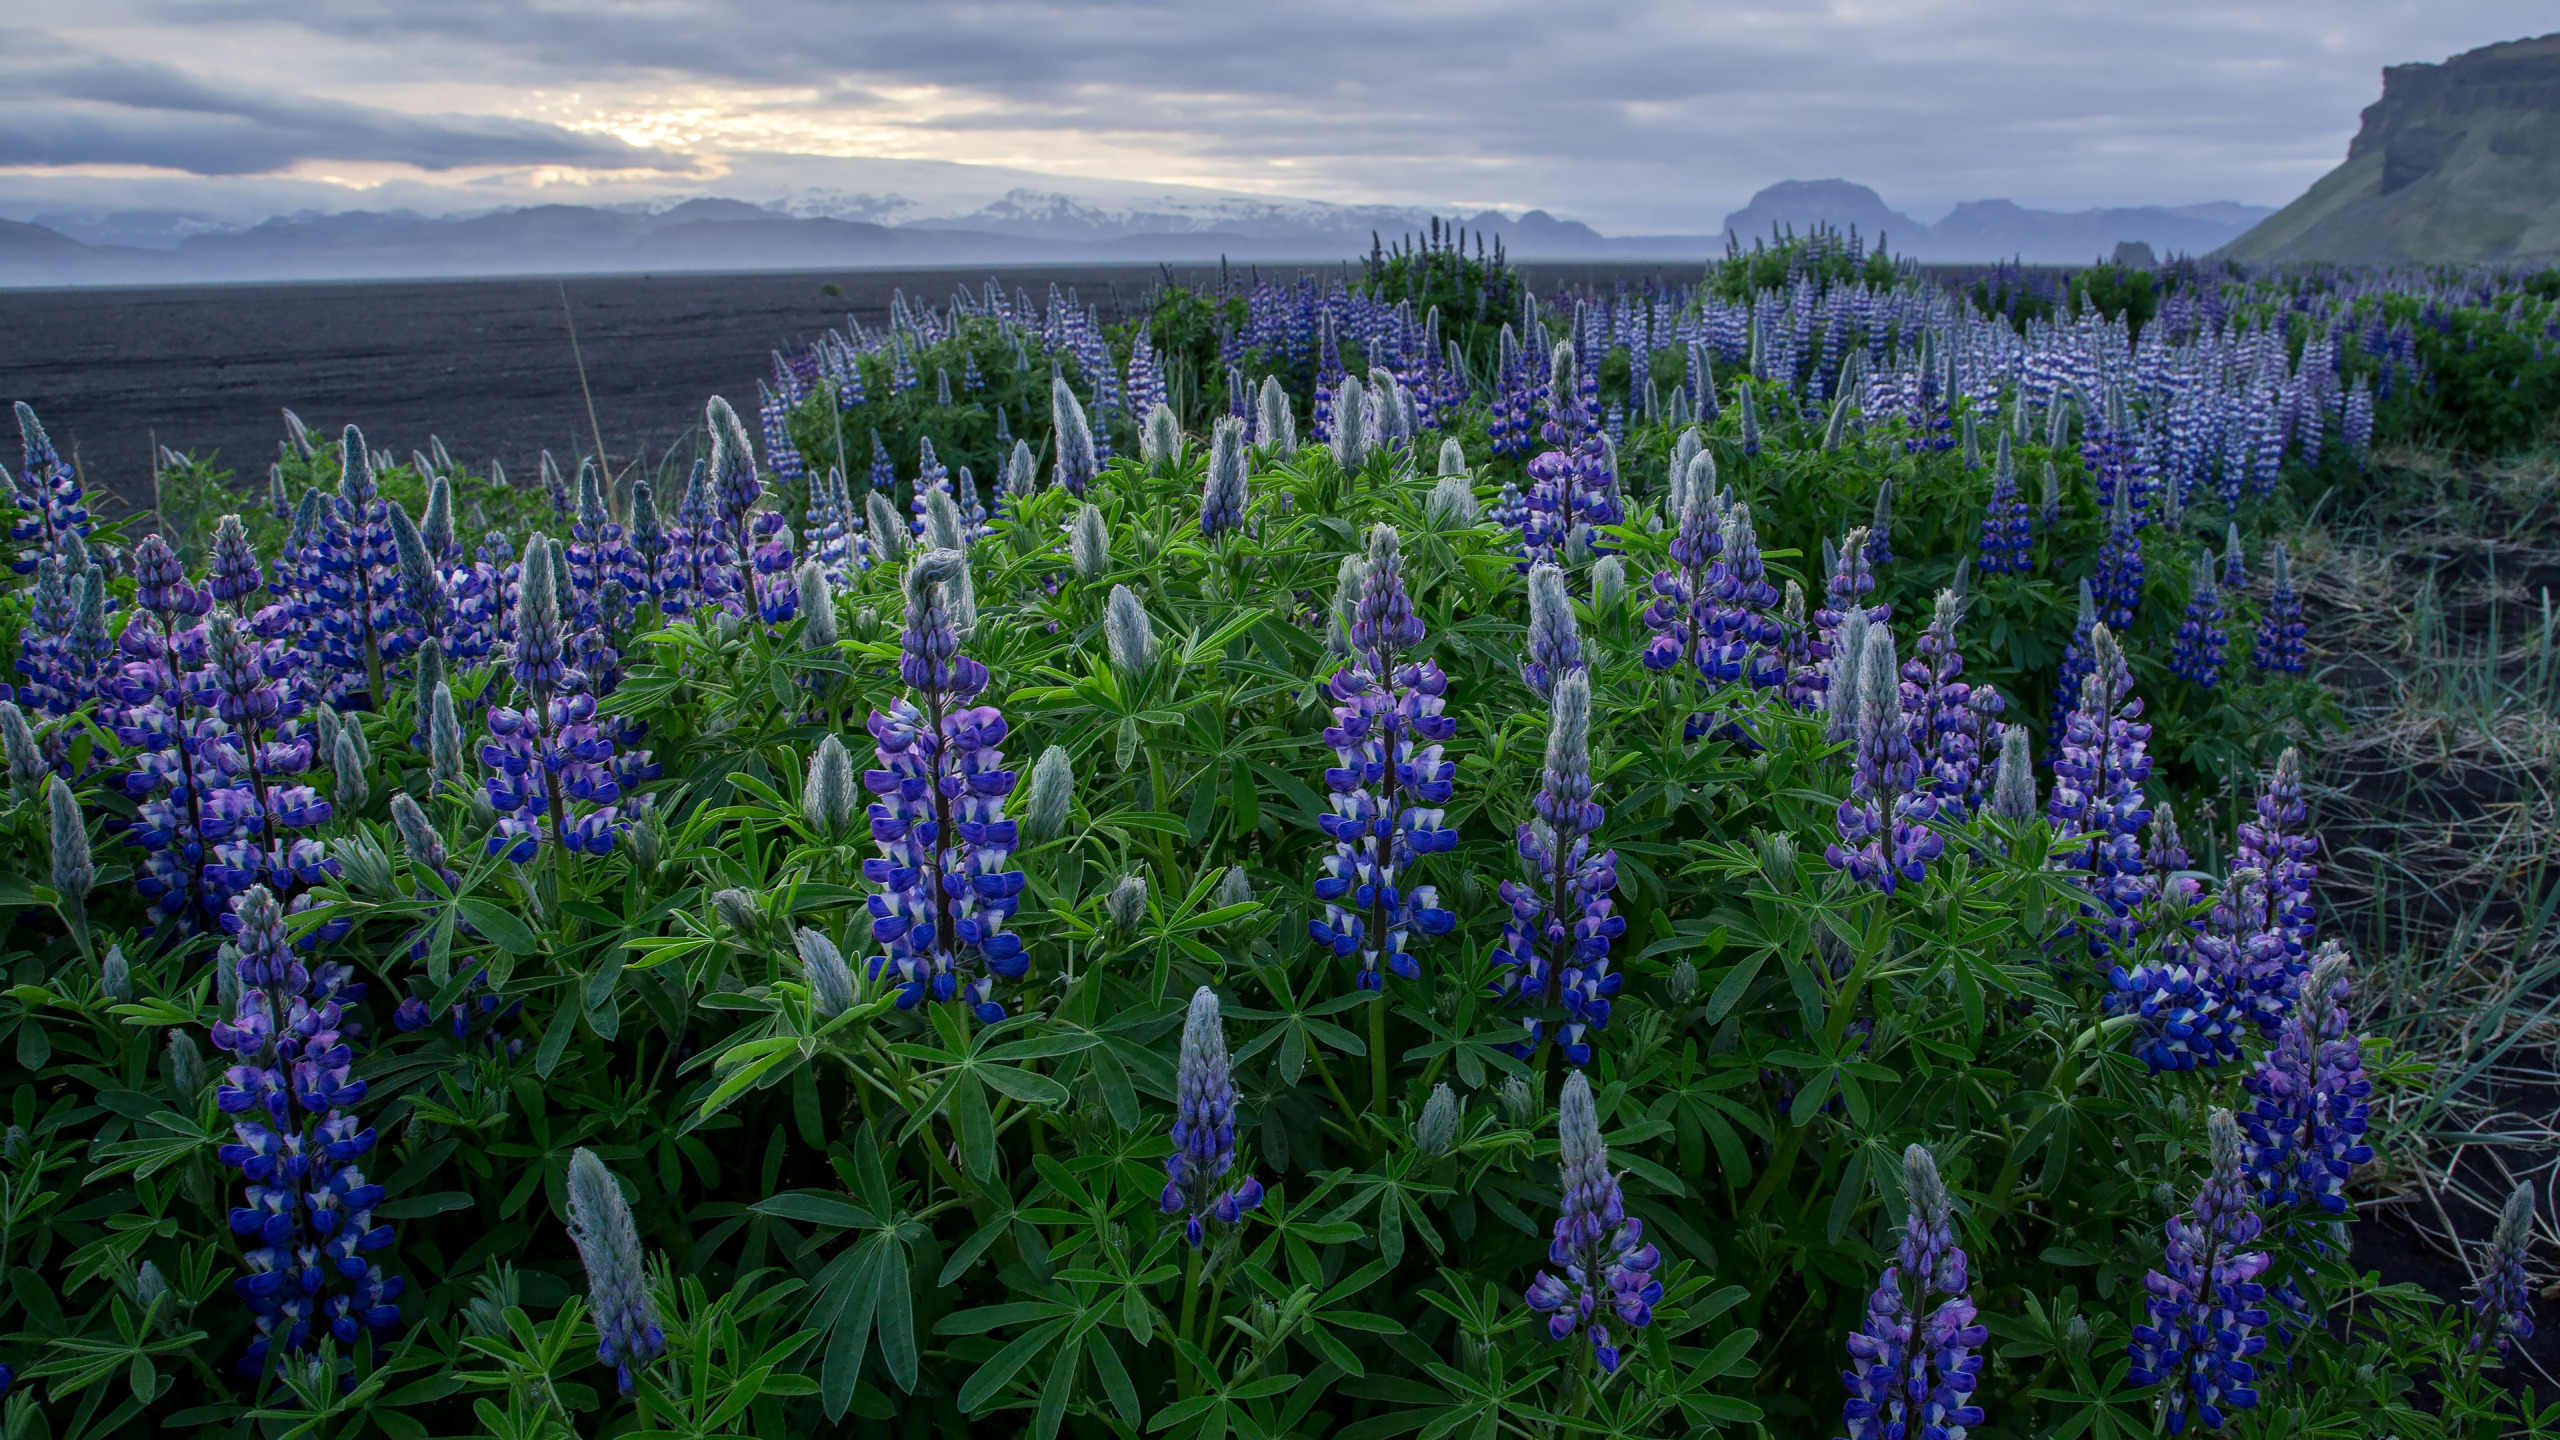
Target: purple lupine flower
{"points": [[2008, 540], [939, 816], [307, 1224], [1607, 1268], [2197, 655], [1947, 716], [2205, 1304], [2098, 807], [357, 589], [2307, 1127], [49, 493], [1913, 1373], [735, 489], [552, 772], [2077, 656], [1572, 486], [2235, 561], [2502, 1311], [1885, 835], [1391, 783], [1204, 1128], [626, 1318], [2278, 844], [1553, 644], [1077, 461], [2280, 629], [1555, 947], [260, 746], [236, 573], [1228, 489], [168, 737]]}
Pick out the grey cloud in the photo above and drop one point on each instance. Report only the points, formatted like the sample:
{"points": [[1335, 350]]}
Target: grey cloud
{"points": [[1641, 113], [60, 106]]}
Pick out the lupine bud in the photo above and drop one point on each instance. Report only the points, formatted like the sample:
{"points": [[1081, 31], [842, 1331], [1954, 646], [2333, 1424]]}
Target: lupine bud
{"points": [[1453, 457], [2503, 1307], [739, 909], [1844, 693], [73, 873], [1235, 887], [1021, 472], [1130, 636], [1228, 492], [2013, 780], [829, 799], [608, 1242], [1274, 422], [115, 977], [888, 532], [817, 607], [1520, 1102], [1350, 439], [1089, 544], [420, 586], [436, 526], [1051, 795], [830, 979], [445, 763], [186, 1066], [1778, 861], [1452, 504], [1554, 641], [151, 1291], [1160, 440], [1608, 584], [1127, 903], [418, 835], [1438, 1128], [27, 768], [1074, 435], [1350, 578], [942, 527], [13, 1144], [347, 762], [1681, 986], [644, 842]]}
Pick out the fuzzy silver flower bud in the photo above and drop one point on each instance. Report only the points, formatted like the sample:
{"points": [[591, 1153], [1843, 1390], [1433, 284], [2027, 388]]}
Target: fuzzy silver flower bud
{"points": [[73, 872], [817, 607], [1453, 457], [348, 765], [1051, 794], [418, 837], [829, 799], [739, 910], [1351, 442], [1349, 579], [1778, 861], [1229, 490], [830, 979], [1126, 905], [1074, 436], [115, 976], [2013, 777], [446, 768], [645, 844], [1021, 472], [1089, 544], [1128, 632], [1274, 421], [1844, 692], [1681, 985], [1160, 440], [1437, 1130], [1608, 584], [888, 533], [1452, 503], [1235, 887], [1520, 1103], [186, 1066], [608, 1242], [27, 769]]}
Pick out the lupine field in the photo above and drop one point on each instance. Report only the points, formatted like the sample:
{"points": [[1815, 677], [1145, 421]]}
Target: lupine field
{"points": [[1394, 856]]}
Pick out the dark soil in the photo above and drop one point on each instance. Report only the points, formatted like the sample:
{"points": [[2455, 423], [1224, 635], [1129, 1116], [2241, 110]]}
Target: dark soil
{"points": [[485, 364]]}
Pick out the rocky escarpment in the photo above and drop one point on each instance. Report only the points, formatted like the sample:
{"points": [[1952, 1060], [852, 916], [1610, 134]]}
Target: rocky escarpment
{"points": [[2458, 162]]}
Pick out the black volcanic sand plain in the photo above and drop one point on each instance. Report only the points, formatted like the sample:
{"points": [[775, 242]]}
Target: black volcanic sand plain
{"points": [[484, 364]]}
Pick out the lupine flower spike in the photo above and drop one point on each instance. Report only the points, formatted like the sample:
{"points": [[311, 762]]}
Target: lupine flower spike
{"points": [[1555, 947], [626, 1318], [1204, 1128], [2205, 1303], [2502, 1311], [1603, 1267], [1913, 1367]]}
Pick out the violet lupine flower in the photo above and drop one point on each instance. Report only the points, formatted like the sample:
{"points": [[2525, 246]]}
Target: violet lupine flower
{"points": [[307, 1225], [1607, 1266], [1849, 581], [2186, 1022], [1554, 641], [551, 773], [2280, 629], [651, 545], [2008, 540], [1390, 785], [357, 593], [2197, 655], [49, 495], [2278, 844], [2076, 659], [1571, 484], [2205, 1304], [168, 735], [2097, 806], [1555, 947], [2307, 1127], [626, 1318], [1947, 715], [1913, 1374], [2502, 1311], [1712, 606], [2235, 561], [1885, 835], [259, 746], [596, 553], [939, 817], [1204, 1128], [735, 489], [707, 563]]}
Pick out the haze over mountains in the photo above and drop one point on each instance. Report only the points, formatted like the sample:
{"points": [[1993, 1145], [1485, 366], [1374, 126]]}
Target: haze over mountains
{"points": [[908, 213]]}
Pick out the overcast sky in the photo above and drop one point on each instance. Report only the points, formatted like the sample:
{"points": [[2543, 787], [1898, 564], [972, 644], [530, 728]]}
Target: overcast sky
{"points": [[1636, 116]]}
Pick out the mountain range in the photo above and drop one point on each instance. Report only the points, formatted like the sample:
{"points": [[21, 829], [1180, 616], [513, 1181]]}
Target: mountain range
{"points": [[2456, 163]]}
